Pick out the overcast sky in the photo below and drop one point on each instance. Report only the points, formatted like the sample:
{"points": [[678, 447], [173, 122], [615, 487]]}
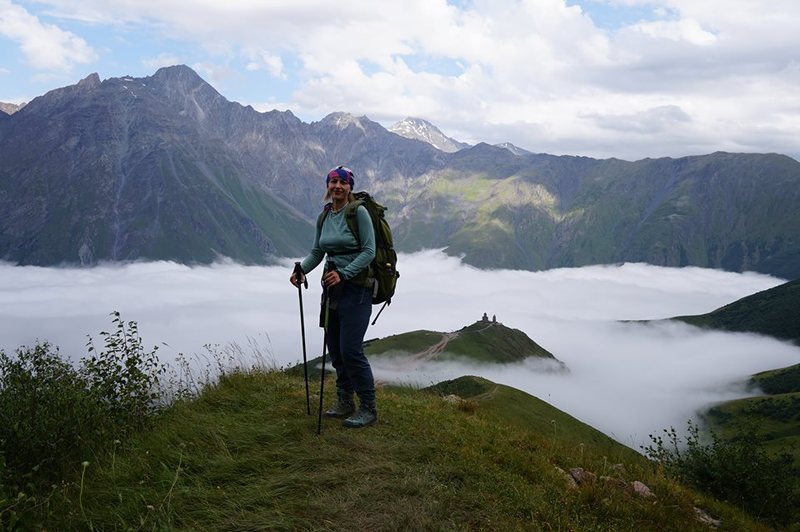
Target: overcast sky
{"points": [[625, 379], [602, 78]]}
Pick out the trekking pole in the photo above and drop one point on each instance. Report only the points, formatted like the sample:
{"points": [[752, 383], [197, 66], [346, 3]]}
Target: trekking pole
{"points": [[324, 346], [297, 272]]}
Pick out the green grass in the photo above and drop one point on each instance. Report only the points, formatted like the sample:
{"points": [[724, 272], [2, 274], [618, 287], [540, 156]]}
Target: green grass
{"points": [[245, 456], [775, 418], [481, 341], [509, 406], [783, 380], [408, 343]]}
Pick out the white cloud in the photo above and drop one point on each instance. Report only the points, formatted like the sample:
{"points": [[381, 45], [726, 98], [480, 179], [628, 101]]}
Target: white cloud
{"points": [[625, 379], [45, 46], [537, 71], [161, 60], [263, 60]]}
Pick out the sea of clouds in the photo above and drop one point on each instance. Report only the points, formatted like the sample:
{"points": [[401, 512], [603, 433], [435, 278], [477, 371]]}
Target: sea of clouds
{"points": [[626, 379]]}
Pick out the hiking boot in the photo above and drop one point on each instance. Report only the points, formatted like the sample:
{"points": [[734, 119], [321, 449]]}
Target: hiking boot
{"points": [[367, 414], [345, 405]]}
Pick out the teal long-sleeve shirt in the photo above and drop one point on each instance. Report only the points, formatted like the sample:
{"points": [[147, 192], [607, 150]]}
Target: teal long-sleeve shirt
{"points": [[335, 237]]}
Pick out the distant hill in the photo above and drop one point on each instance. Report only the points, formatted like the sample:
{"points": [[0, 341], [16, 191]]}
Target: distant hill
{"points": [[483, 341], [773, 312], [778, 381], [776, 416]]}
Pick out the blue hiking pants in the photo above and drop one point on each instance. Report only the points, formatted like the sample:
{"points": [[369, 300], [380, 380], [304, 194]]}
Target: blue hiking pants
{"points": [[347, 324]]}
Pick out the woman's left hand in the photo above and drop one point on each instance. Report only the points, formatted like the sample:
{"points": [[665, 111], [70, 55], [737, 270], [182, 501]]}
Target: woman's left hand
{"points": [[332, 278]]}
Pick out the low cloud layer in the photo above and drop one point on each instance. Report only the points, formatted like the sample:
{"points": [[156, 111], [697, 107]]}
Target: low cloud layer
{"points": [[626, 379]]}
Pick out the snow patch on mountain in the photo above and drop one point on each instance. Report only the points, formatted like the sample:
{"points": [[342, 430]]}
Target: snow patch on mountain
{"points": [[422, 130]]}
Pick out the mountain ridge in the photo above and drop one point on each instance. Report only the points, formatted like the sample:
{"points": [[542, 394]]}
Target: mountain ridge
{"points": [[69, 158]]}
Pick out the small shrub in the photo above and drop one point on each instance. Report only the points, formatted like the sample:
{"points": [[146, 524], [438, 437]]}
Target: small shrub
{"points": [[47, 417], [54, 416], [739, 471], [124, 377]]}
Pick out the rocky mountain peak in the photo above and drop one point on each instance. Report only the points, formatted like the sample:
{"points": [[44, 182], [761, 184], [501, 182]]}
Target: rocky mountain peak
{"points": [[516, 150], [341, 120], [422, 130], [11, 108], [90, 82]]}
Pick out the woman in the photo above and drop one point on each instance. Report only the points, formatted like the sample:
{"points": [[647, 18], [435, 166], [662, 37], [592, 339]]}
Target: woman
{"points": [[348, 284]]}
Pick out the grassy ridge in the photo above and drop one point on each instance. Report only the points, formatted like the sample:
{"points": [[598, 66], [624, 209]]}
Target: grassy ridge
{"points": [[509, 406], [481, 341], [773, 312], [244, 456], [776, 381]]}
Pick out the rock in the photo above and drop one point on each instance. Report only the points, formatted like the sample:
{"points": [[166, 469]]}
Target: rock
{"points": [[706, 519], [452, 399], [571, 484], [582, 476], [639, 488]]}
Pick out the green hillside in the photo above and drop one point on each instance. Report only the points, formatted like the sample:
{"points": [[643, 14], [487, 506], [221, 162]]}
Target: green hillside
{"points": [[774, 312], [483, 341], [774, 418], [244, 456], [777, 381], [507, 405]]}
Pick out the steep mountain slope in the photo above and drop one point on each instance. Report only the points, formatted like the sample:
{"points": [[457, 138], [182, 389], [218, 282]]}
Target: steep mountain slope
{"points": [[774, 312], [125, 169], [732, 211]]}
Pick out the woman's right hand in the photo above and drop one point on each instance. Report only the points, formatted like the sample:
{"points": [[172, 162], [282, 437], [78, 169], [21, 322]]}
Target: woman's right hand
{"points": [[297, 279]]}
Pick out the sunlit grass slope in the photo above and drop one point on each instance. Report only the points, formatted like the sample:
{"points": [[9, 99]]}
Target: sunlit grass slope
{"points": [[245, 456]]}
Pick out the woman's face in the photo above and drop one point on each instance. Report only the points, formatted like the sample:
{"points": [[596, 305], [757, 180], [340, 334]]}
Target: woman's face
{"points": [[338, 189]]}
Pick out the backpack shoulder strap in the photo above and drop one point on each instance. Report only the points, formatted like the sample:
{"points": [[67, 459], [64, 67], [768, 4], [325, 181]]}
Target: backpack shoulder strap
{"points": [[324, 214], [352, 219]]}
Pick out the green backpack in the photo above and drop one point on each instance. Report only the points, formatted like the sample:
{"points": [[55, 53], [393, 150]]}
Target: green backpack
{"points": [[383, 267]]}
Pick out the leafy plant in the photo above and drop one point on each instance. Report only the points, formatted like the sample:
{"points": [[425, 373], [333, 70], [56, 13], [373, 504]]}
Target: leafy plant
{"points": [[53, 415], [739, 471], [123, 377]]}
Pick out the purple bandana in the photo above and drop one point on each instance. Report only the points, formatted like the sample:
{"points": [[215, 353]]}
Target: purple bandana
{"points": [[345, 174]]}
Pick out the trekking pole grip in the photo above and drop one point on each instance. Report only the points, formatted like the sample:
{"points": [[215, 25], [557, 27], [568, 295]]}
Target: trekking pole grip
{"points": [[298, 271]]}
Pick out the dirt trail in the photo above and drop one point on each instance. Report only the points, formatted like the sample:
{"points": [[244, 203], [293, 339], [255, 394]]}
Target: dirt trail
{"points": [[431, 352]]}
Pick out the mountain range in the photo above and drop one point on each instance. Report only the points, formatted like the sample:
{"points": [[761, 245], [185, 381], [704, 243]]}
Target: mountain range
{"points": [[164, 167]]}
